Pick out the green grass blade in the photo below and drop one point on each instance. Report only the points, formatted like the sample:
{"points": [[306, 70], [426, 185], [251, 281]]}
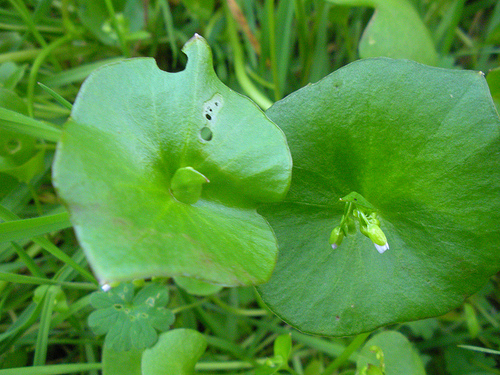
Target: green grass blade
{"points": [[479, 349], [22, 279], [17, 122], [58, 98], [76, 74], [44, 328], [27, 228], [47, 51], [27, 260], [239, 66], [169, 26], [52, 369], [7, 215]]}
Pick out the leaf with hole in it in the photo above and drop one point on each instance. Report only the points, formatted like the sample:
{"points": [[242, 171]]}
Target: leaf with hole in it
{"points": [[162, 173], [130, 321], [420, 144], [395, 30]]}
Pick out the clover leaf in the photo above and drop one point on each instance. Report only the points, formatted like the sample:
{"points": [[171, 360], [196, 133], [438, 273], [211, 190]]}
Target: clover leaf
{"points": [[162, 174], [129, 320]]}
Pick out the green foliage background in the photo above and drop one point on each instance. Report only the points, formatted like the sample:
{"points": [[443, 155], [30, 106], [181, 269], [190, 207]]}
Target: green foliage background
{"points": [[264, 49]]}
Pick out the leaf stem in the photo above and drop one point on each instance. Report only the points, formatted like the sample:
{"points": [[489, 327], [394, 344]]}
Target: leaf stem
{"points": [[119, 31], [236, 311], [351, 348], [239, 65], [43, 331], [38, 63], [272, 47], [52, 369]]}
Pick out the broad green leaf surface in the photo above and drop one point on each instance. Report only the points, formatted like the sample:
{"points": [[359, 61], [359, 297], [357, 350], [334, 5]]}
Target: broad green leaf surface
{"points": [[133, 127], [196, 287], [395, 30], [176, 353], [27, 228], [421, 145], [399, 357]]}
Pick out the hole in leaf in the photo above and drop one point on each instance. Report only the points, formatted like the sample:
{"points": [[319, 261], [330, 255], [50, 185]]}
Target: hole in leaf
{"points": [[118, 306], [208, 116], [206, 134]]}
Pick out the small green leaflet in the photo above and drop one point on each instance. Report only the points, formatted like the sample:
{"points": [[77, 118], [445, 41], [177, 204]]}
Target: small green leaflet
{"points": [[129, 320]]}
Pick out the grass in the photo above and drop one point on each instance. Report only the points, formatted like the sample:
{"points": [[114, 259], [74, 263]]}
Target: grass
{"points": [[264, 49]]}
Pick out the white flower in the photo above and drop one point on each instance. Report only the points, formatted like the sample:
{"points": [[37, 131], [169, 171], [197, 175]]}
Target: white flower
{"points": [[105, 287], [382, 248]]}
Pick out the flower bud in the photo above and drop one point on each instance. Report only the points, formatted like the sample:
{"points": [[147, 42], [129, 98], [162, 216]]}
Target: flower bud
{"points": [[376, 235], [336, 237]]}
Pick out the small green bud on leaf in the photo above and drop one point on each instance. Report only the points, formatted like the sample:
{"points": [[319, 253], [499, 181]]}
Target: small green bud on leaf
{"points": [[186, 185]]}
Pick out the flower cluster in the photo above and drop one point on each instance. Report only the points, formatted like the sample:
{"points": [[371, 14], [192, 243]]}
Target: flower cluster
{"points": [[368, 222]]}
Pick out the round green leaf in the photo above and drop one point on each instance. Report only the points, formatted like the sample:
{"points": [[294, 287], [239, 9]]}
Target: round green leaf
{"points": [[162, 174], [420, 144], [395, 30], [396, 355], [176, 352]]}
